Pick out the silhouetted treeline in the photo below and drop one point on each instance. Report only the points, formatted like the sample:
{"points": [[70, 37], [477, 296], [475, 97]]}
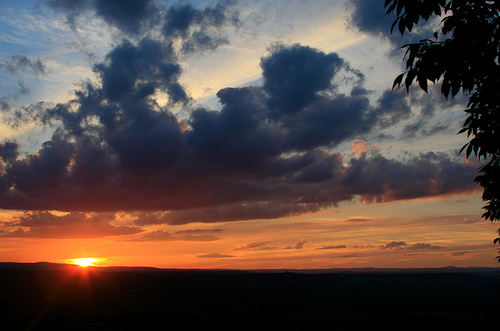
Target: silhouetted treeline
{"points": [[94, 299]]}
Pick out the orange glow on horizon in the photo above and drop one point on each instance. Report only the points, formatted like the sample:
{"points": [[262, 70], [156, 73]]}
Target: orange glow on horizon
{"points": [[85, 262]]}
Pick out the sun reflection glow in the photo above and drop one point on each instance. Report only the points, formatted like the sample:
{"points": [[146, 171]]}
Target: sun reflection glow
{"points": [[85, 262]]}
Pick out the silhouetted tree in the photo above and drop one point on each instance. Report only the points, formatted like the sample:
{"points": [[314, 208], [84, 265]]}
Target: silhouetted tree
{"points": [[464, 55]]}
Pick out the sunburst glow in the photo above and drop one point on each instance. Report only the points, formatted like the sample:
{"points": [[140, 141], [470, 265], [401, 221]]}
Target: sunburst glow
{"points": [[85, 262]]}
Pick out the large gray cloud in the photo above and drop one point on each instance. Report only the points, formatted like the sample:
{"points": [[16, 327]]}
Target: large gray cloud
{"points": [[258, 157], [266, 153]]}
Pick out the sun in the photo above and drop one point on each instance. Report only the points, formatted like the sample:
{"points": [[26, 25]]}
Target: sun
{"points": [[85, 262]]}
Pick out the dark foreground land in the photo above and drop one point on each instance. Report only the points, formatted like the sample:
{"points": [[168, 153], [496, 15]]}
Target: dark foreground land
{"points": [[55, 297]]}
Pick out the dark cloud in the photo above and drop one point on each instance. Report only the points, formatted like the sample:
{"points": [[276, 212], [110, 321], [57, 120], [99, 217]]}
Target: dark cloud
{"points": [[258, 157], [415, 111], [423, 127], [72, 225], [198, 28], [21, 62], [4, 105], [286, 66], [299, 245], [396, 245], [392, 108], [9, 151], [393, 245], [368, 16], [126, 15], [129, 16], [423, 246], [332, 247], [424, 175], [140, 70], [21, 68]]}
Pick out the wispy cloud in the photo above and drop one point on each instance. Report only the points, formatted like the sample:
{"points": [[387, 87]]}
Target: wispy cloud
{"points": [[214, 256], [396, 245], [261, 245], [184, 235], [332, 247]]}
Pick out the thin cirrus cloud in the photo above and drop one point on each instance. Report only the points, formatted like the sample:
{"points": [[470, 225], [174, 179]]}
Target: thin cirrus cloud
{"points": [[214, 256], [183, 235]]}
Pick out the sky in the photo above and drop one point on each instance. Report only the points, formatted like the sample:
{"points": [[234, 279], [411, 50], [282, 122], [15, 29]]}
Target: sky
{"points": [[241, 134]]}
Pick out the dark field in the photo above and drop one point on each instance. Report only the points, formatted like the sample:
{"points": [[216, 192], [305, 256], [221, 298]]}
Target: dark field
{"points": [[69, 298]]}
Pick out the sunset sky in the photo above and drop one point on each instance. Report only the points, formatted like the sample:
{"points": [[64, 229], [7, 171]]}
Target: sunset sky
{"points": [[227, 134]]}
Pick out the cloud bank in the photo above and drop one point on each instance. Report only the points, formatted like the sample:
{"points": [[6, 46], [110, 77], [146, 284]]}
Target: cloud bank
{"points": [[268, 152]]}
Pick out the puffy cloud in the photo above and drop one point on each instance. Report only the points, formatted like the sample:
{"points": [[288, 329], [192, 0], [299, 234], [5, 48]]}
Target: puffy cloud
{"points": [[293, 76], [140, 70]]}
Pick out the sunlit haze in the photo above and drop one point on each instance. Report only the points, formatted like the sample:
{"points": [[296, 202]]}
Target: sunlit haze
{"points": [[85, 262]]}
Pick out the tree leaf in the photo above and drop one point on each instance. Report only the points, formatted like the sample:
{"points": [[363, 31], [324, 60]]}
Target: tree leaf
{"points": [[398, 81]]}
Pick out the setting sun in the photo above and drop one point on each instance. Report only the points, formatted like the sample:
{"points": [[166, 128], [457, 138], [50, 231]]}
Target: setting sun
{"points": [[85, 262]]}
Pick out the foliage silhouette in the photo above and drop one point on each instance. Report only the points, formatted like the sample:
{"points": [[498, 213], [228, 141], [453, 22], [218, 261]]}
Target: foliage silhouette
{"points": [[463, 55]]}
